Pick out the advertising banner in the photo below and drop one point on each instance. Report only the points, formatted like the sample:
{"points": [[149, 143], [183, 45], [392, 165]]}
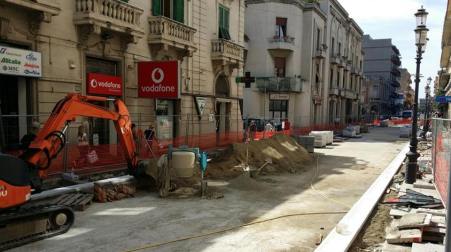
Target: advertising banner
{"points": [[20, 62], [159, 79], [103, 84]]}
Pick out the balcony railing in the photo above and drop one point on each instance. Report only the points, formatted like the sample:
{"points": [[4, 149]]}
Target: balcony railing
{"points": [[48, 7], [350, 94], [396, 72], [282, 43], [112, 15], [335, 59], [279, 84], [167, 32], [334, 91], [226, 51]]}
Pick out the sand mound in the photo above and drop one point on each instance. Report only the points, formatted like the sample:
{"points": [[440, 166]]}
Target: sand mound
{"points": [[284, 152]]}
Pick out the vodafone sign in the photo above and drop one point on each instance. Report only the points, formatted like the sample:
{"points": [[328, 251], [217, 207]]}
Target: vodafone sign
{"points": [[158, 79], [104, 84]]}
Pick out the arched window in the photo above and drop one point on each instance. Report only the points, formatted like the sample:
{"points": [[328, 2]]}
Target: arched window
{"points": [[222, 88]]}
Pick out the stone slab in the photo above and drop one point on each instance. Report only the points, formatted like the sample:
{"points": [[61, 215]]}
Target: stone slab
{"points": [[427, 247]]}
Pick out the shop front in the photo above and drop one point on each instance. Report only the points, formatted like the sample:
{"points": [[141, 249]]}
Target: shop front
{"points": [[102, 79], [18, 68], [160, 80]]}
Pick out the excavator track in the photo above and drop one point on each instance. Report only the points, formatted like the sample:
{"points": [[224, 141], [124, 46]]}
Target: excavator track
{"points": [[30, 223]]}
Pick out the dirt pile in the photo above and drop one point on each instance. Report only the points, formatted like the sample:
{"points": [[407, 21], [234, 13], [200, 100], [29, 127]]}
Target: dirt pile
{"points": [[283, 153]]}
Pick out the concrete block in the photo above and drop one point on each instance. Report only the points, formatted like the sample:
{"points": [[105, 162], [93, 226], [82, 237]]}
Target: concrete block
{"points": [[414, 220], [427, 247], [404, 236], [349, 132], [320, 138], [308, 142], [405, 132]]}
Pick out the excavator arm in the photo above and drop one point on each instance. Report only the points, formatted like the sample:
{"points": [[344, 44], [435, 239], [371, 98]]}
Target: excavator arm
{"points": [[52, 138]]}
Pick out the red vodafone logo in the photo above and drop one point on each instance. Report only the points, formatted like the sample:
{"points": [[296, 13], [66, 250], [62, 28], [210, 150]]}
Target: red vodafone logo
{"points": [[104, 84], [158, 79]]}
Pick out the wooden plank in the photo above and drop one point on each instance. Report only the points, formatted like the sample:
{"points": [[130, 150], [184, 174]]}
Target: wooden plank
{"points": [[342, 236]]}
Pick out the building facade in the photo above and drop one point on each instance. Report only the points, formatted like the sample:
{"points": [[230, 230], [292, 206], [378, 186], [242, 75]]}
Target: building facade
{"points": [[382, 62], [444, 82], [289, 51], [83, 39], [406, 88]]}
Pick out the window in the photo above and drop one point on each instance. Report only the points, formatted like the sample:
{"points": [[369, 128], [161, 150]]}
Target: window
{"points": [[279, 66], [339, 48], [333, 47], [174, 9], [278, 108], [331, 77], [224, 16], [281, 27], [318, 39]]}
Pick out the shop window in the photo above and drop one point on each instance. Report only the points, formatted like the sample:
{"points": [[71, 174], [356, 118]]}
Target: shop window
{"points": [[278, 108], [174, 9], [224, 18], [281, 27], [279, 66]]}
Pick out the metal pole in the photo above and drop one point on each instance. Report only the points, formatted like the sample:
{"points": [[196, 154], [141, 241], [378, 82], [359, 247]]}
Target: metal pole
{"points": [[412, 155]]}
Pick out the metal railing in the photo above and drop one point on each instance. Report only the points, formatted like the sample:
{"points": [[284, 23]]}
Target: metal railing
{"points": [[279, 84]]}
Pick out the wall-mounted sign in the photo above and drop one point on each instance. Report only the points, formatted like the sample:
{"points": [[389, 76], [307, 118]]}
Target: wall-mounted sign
{"points": [[104, 84], [443, 99], [201, 103], [279, 96], [159, 79], [20, 62]]}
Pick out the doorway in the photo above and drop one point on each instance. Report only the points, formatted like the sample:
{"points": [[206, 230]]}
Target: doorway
{"points": [[14, 109]]}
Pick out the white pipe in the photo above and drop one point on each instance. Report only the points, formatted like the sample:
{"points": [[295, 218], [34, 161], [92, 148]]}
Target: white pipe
{"points": [[86, 187]]}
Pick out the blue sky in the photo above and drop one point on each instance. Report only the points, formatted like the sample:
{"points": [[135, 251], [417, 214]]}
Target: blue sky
{"points": [[395, 19]]}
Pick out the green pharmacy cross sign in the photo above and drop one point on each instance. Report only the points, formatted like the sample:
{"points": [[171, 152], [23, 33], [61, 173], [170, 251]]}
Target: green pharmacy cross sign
{"points": [[247, 79]]}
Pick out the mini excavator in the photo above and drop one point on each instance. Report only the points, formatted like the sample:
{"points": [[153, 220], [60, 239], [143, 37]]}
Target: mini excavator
{"points": [[21, 221]]}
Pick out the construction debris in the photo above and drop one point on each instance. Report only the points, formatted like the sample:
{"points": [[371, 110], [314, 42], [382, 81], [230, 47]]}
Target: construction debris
{"points": [[107, 192]]}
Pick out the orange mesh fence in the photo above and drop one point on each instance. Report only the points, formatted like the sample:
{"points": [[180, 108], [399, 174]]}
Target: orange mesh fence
{"points": [[441, 156]]}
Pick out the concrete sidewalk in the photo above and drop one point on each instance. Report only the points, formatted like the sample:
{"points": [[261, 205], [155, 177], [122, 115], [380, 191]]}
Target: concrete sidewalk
{"points": [[345, 171]]}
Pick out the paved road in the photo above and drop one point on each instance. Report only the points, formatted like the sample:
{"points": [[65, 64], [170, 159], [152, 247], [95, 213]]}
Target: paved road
{"points": [[343, 173]]}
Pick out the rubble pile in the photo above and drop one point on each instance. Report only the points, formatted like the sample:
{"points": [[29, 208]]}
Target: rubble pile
{"points": [[282, 152]]}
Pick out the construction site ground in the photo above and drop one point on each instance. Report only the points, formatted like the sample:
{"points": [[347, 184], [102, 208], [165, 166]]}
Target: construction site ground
{"points": [[280, 212]]}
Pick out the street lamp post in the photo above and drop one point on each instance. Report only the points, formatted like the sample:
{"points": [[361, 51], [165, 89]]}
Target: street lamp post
{"points": [[427, 91], [420, 42]]}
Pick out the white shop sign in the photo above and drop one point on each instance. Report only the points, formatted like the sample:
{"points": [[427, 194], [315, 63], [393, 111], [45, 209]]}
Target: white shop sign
{"points": [[279, 96], [20, 62]]}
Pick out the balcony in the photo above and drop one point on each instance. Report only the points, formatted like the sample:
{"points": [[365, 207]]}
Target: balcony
{"points": [[395, 83], [395, 59], [335, 59], [167, 33], [108, 16], [226, 52], [334, 91], [320, 52], [279, 84], [282, 44], [354, 70], [349, 94], [46, 8], [396, 72]]}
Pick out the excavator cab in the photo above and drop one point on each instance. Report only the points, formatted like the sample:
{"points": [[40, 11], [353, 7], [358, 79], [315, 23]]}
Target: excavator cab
{"points": [[15, 181]]}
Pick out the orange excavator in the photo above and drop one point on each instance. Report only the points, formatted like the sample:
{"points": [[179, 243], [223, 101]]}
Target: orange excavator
{"points": [[23, 222]]}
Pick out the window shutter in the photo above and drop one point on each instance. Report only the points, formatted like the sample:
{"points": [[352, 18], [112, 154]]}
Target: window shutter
{"points": [[156, 7], [179, 10], [226, 19]]}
